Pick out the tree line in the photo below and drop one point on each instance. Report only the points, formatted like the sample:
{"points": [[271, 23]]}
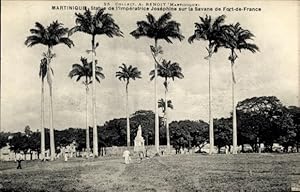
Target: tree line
{"points": [[261, 120], [215, 32]]}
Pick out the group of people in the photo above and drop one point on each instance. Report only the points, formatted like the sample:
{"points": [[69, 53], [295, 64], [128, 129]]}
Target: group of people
{"points": [[141, 155], [126, 154], [127, 158]]}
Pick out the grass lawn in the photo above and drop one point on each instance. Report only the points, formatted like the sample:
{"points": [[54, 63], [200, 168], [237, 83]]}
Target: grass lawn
{"points": [[243, 172]]}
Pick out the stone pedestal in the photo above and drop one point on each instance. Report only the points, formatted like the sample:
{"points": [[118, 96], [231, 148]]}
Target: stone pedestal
{"points": [[139, 142]]}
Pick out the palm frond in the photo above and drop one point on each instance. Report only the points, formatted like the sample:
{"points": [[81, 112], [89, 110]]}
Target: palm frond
{"points": [[52, 71], [219, 20], [78, 77], [192, 38], [100, 75], [99, 69], [74, 30], [152, 75], [170, 105], [36, 32], [151, 19], [248, 46], [39, 26], [66, 41], [98, 14], [164, 18]]}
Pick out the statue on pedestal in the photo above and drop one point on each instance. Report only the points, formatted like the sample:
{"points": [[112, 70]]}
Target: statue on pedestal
{"points": [[139, 142]]}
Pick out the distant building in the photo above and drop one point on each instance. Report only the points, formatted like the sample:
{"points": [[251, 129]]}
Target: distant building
{"points": [[6, 154]]}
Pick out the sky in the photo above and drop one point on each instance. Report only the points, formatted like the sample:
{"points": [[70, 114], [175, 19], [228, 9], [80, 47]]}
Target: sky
{"points": [[272, 71]]}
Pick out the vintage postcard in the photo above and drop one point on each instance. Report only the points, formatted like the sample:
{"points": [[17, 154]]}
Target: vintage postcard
{"points": [[150, 96]]}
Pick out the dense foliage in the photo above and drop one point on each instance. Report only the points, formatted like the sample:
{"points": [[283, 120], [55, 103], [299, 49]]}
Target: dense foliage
{"points": [[260, 120]]}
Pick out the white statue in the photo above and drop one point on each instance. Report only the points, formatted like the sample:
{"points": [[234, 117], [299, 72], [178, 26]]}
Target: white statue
{"points": [[126, 155], [139, 142]]}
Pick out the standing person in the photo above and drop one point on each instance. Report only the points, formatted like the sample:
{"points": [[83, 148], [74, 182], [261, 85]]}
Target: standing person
{"points": [[146, 155], [141, 155], [66, 156], [64, 153], [226, 149], [19, 159], [126, 156]]}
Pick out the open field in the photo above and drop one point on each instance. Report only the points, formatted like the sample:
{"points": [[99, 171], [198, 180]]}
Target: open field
{"points": [[243, 172]]}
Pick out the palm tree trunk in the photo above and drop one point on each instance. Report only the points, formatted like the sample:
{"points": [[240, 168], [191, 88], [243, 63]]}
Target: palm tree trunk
{"points": [[156, 106], [95, 132], [127, 117], [52, 144], [166, 117], [234, 127], [211, 126], [42, 122], [86, 120], [50, 83]]}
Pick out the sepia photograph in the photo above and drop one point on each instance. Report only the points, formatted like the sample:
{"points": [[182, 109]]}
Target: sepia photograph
{"points": [[162, 96]]}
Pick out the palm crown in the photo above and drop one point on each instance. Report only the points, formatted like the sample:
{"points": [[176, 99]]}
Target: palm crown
{"points": [[98, 24], [127, 73], [168, 70], [161, 104], [211, 31], [85, 70], [49, 36], [162, 28], [236, 38]]}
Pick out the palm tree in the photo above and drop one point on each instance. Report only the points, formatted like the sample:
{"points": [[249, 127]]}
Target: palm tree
{"points": [[42, 74], [236, 39], [162, 105], [98, 24], [211, 31], [125, 74], [167, 70], [161, 29], [85, 71], [52, 35]]}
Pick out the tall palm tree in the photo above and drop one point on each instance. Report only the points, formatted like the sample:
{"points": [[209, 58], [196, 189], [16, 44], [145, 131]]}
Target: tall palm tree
{"points": [[161, 29], [125, 74], [85, 71], [50, 36], [42, 74], [99, 23], [236, 39], [212, 32], [167, 70]]}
